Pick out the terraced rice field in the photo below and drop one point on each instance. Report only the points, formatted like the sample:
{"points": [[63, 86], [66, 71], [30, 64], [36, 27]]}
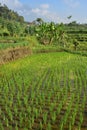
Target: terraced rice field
{"points": [[44, 92]]}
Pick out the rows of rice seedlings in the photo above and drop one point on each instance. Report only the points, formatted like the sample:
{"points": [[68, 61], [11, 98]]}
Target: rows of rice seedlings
{"points": [[56, 99]]}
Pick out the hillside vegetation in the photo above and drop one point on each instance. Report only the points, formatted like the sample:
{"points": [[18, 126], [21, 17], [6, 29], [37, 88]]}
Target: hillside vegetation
{"points": [[39, 35]]}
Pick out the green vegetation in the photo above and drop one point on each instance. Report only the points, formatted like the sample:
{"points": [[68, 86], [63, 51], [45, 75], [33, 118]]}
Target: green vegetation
{"points": [[42, 91], [12, 45], [11, 24], [8, 14], [14, 30], [45, 91]]}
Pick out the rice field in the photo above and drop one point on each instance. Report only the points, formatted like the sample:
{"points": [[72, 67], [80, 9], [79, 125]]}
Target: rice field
{"points": [[45, 91]]}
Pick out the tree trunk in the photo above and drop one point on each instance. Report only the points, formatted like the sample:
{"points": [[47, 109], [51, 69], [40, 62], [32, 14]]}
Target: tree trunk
{"points": [[51, 39]]}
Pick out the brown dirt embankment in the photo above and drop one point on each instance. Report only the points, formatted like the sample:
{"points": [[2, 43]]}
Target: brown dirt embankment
{"points": [[14, 53]]}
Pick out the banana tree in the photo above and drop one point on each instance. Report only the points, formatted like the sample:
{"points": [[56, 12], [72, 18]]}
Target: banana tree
{"points": [[49, 33], [46, 33], [62, 36]]}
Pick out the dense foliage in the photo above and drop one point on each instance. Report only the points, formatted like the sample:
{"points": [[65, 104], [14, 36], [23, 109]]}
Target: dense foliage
{"points": [[9, 14], [11, 24], [72, 36]]}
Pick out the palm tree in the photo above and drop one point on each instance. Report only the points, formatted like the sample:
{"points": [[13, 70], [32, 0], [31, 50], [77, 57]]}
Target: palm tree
{"points": [[39, 20], [69, 17]]}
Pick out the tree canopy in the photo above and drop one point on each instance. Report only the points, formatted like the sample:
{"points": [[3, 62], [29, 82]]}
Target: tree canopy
{"points": [[9, 14]]}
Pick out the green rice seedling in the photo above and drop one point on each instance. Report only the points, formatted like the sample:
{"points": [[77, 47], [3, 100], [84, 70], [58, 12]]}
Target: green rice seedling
{"points": [[25, 128], [58, 110], [58, 96], [49, 126], [15, 110], [36, 101], [10, 115], [78, 98], [1, 126], [70, 126], [51, 108], [84, 99], [4, 117], [49, 97], [83, 105], [81, 118], [64, 99], [26, 101], [53, 117], [79, 126], [65, 117], [73, 118], [36, 112], [41, 125], [69, 107], [7, 123], [16, 126], [43, 97], [29, 110], [25, 116], [10, 103], [45, 117], [19, 102], [40, 110], [29, 124], [21, 119], [32, 119], [61, 125]]}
